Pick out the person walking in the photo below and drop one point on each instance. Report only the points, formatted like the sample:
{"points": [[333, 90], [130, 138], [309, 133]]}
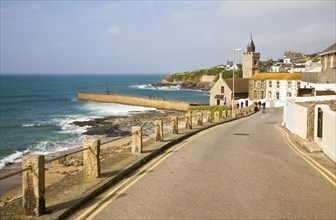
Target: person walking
{"points": [[264, 107]]}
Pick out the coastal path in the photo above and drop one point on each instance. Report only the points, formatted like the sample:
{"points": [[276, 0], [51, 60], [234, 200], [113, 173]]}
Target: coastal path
{"points": [[245, 169]]}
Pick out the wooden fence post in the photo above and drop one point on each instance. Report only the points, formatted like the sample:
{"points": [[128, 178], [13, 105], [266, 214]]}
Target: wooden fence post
{"points": [[33, 185], [91, 161], [188, 121], [174, 124], [200, 118], [216, 116], [136, 140], [158, 130]]}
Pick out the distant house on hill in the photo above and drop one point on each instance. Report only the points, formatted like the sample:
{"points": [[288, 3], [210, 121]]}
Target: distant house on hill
{"points": [[221, 93], [274, 86], [323, 82]]}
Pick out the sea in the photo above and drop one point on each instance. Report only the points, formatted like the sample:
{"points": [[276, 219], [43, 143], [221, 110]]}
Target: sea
{"points": [[36, 111]]}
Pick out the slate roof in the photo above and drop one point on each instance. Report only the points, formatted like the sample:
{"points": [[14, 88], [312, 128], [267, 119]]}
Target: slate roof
{"points": [[241, 84], [277, 76], [329, 50]]}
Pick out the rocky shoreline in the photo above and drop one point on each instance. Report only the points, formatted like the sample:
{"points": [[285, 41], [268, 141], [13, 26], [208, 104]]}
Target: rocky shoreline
{"points": [[115, 126], [194, 85]]}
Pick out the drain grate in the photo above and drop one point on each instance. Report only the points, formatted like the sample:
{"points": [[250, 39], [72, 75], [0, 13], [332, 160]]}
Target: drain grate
{"points": [[241, 134]]}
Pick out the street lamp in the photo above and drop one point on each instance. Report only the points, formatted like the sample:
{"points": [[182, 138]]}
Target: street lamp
{"points": [[233, 74]]}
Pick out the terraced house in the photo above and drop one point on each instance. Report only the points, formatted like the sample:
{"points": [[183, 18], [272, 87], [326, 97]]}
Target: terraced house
{"points": [[221, 93], [274, 86]]}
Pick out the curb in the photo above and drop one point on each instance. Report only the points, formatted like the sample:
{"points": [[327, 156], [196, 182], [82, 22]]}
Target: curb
{"points": [[111, 181]]}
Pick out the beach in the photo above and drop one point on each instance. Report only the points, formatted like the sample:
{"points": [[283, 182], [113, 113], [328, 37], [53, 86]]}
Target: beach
{"points": [[106, 129]]}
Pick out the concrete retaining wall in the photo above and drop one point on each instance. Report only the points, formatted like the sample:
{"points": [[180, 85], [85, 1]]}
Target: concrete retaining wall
{"points": [[138, 101]]}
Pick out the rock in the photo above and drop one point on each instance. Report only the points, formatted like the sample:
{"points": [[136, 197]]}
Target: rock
{"points": [[195, 85]]}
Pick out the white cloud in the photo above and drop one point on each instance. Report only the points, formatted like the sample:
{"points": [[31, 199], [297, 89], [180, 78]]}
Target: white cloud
{"points": [[113, 31], [260, 9]]}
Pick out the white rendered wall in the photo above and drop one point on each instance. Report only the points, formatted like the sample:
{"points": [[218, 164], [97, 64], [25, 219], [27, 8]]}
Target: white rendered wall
{"points": [[300, 120]]}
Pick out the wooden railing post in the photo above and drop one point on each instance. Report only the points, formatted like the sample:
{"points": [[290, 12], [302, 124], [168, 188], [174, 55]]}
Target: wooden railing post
{"points": [[33, 185], [91, 161], [136, 140], [188, 121], [208, 117], [216, 116], [174, 124], [224, 116], [158, 130], [200, 118]]}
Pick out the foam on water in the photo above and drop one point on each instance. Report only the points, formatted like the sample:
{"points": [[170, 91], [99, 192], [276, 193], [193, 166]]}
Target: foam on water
{"points": [[13, 158], [150, 87], [110, 109]]}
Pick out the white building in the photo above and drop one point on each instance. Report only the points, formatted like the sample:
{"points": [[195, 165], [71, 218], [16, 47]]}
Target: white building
{"points": [[279, 89], [274, 86]]}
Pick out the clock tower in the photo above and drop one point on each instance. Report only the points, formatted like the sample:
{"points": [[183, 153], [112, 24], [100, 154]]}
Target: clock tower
{"points": [[251, 60]]}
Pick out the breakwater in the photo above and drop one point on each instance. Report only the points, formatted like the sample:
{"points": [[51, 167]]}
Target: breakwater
{"points": [[135, 100]]}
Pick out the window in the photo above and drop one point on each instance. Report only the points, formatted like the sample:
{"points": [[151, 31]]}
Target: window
{"points": [[277, 95], [262, 83], [288, 94], [270, 84], [270, 95], [218, 101], [289, 84], [262, 94], [255, 84], [298, 84], [332, 62], [222, 89], [278, 84], [255, 94]]}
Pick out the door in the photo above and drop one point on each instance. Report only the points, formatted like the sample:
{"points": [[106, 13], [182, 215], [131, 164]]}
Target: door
{"points": [[319, 122]]}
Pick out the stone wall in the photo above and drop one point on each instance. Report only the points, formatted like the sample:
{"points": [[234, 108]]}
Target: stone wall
{"points": [[327, 76], [133, 100], [259, 87], [311, 116]]}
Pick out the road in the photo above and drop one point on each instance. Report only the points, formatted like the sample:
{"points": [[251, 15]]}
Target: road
{"points": [[239, 170]]}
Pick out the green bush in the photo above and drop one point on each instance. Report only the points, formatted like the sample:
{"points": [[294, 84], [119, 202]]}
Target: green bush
{"points": [[209, 108]]}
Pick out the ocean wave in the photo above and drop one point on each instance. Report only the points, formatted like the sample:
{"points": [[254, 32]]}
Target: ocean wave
{"points": [[111, 109], [47, 147], [32, 125], [150, 87], [13, 158]]}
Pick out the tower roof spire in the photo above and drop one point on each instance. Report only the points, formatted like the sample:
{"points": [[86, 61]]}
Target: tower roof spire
{"points": [[251, 46]]}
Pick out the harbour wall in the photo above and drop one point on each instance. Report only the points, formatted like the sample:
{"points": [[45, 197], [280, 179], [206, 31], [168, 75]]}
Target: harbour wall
{"points": [[135, 100]]}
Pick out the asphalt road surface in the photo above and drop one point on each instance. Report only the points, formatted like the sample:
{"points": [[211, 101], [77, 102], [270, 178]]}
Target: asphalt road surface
{"points": [[239, 170]]}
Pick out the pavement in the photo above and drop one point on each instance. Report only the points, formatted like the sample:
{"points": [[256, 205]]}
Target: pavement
{"points": [[246, 169], [64, 197]]}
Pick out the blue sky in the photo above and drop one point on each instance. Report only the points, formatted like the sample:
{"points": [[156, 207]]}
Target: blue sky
{"points": [[155, 36]]}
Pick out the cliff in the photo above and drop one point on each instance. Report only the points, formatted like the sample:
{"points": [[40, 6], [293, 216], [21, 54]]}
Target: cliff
{"points": [[193, 79]]}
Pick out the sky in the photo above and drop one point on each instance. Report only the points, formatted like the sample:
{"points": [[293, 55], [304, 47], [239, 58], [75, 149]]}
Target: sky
{"points": [[155, 36]]}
